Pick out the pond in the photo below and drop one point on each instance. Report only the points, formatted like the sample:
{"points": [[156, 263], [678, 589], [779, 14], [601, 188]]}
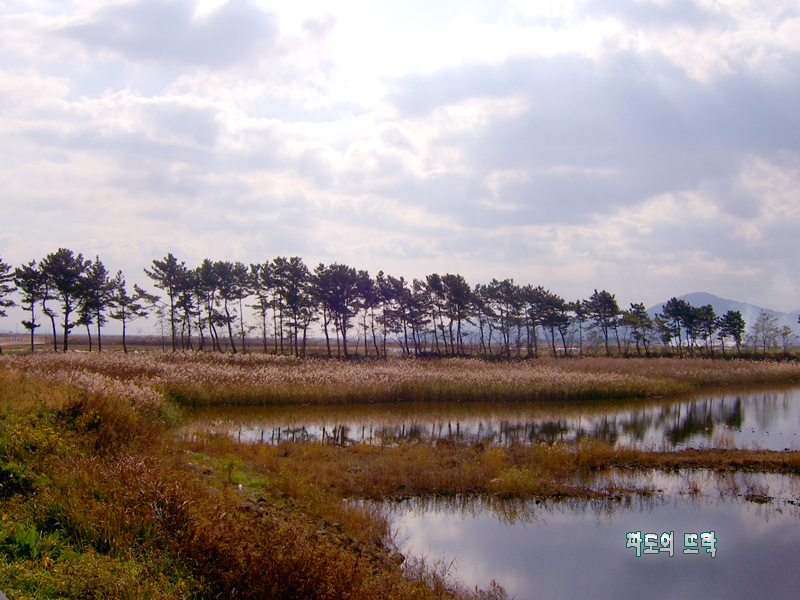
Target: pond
{"points": [[580, 549], [768, 418], [574, 548]]}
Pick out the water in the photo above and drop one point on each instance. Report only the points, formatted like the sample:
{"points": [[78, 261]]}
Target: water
{"points": [[574, 548], [577, 549], [769, 419]]}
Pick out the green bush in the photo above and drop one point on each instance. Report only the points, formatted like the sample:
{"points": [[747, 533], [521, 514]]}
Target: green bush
{"points": [[15, 479], [22, 541]]}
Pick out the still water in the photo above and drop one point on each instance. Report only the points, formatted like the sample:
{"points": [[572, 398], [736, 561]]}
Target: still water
{"points": [[769, 419], [578, 549]]}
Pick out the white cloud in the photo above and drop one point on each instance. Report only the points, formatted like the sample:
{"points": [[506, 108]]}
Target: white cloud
{"points": [[22, 91], [650, 148], [174, 32]]}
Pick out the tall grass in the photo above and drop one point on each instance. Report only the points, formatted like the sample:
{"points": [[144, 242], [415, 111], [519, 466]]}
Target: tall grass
{"points": [[88, 461], [93, 471], [208, 379], [564, 469], [90, 466]]}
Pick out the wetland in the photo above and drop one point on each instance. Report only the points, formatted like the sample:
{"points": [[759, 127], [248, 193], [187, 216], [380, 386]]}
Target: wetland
{"points": [[573, 543], [745, 418], [195, 475]]}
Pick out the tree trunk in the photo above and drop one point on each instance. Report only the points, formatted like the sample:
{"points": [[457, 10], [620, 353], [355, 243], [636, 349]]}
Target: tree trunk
{"points": [[435, 335], [275, 324], [33, 329], [228, 322], [99, 339], [172, 319], [201, 328], [189, 330], [372, 326], [66, 329], [241, 322], [326, 321], [343, 326], [264, 328]]}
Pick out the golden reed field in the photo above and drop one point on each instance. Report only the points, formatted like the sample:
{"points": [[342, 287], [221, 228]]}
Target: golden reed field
{"points": [[256, 379]]}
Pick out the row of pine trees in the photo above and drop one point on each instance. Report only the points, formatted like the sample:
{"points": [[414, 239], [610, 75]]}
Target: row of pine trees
{"points": [[212, 307]]}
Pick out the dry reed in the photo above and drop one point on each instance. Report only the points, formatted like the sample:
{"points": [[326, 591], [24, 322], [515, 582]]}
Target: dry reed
{"points": [[570, 469], [98, 475], [85, 439], [206, 378]]}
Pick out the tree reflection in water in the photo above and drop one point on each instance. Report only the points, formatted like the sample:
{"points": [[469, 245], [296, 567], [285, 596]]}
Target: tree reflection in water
{"points": [[577, 548], [770, 420]]}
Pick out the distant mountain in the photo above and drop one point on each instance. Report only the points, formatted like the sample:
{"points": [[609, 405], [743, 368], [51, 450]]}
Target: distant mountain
{"points": [[722, 305]]}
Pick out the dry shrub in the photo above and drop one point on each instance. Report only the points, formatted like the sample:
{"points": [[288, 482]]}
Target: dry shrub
{"points": [[245, 557], [317, 475], [514, 482], [107, 414], [123, 491], [439, 578], [108, 425], [139, 504], [111, 483], [25, 398], [92, 576]]}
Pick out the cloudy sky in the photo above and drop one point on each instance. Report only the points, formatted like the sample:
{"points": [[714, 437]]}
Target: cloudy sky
{"points": [[647, 147]]}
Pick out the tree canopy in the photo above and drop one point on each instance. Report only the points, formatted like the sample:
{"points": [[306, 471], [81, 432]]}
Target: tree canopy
{"points": [[206, 306]]}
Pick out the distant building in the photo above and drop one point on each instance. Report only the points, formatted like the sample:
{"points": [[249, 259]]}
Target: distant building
{"points": [[22, 338]]}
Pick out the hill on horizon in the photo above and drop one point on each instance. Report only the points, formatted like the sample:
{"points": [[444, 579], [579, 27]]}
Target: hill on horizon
{"points": [[723, 305]]}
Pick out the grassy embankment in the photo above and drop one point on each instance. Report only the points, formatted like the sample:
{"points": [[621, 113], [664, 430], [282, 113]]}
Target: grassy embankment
{"points": [[97, 501], [100, 500]]}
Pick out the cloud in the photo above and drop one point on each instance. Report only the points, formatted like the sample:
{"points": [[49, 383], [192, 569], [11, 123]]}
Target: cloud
{"points": [[643, 147], [21, 90], [659, 15], [197, 125], [169, 31], [589, 138], [319, 27]]}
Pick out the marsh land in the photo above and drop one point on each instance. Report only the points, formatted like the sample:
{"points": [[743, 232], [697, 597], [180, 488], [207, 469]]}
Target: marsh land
{"points": [[106, 493]]}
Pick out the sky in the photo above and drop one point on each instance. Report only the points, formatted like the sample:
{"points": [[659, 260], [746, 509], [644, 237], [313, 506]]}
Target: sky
{"points": [[647, 147]]}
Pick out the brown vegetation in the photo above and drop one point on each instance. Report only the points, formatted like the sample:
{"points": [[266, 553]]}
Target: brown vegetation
{"points": [[92, 485], [448, 469], [207, 379], [94, 482]]}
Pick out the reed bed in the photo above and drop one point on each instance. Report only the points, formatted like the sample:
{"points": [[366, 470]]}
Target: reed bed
{"points": [[97, 501], [215, 379], [560, 470]]}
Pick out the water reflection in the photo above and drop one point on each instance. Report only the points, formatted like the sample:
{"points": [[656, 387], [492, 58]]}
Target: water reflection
{"points": [[576, 549], [769, 419]]}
